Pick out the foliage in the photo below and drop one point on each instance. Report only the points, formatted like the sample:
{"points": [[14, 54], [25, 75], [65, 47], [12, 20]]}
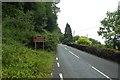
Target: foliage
{"points": [[19, 28], [68, 34], [100, 45], [60, 35], [91, 40], [22, 62], [51, 41], [94, 42], [25, 20], [84, 41], [103, 52], [75, 38], [44, 15], [11, 9], [111, 29], [21, 21]]}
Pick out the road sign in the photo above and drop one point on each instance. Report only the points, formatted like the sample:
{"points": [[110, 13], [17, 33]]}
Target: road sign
{"points": [[39, 39]]}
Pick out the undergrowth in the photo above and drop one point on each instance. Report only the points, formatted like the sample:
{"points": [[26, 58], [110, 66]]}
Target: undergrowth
{"points": [[22, 62]]}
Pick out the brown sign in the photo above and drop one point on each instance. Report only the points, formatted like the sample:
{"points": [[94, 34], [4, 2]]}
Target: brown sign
{"points": [[39, 39]]}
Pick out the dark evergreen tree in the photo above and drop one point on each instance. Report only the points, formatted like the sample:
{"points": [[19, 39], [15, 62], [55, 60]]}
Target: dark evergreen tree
{"points": [[68, 34]]}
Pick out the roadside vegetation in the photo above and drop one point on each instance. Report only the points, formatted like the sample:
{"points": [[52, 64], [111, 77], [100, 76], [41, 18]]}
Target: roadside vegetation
{"points": [[110, 31], [20, 23], [22, 62]]}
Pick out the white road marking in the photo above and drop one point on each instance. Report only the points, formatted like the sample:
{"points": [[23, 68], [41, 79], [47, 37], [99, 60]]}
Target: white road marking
{"points": [[61, 76], [57, 58], [51, 74], [73, 54], [58, 64], [101, 72], [65, 48]]}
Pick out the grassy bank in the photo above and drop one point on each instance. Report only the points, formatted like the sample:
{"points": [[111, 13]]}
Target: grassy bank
{"points": [[20, 23], [22, 62]]}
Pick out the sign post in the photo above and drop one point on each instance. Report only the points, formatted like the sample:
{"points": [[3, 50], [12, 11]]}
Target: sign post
{"points": [[39, 39], [43, 45], [35, 45]]}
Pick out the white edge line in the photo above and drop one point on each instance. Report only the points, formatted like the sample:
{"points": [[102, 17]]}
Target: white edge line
{"points": [[73, 54], [51, 74], [61, 76], [58, 64], [57, 58], [100, 72]]}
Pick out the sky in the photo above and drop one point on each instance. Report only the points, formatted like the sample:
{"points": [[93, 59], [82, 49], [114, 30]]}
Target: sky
{"points": [[84, 16]]}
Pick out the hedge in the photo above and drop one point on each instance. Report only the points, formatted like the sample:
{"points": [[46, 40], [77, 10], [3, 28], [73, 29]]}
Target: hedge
{"points": [[107, 53]]}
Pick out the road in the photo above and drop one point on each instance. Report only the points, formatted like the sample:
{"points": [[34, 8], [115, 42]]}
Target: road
{"points": [[74, 63]]}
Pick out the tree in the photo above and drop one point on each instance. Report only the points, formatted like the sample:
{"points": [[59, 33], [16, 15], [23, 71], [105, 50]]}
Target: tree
{"points": [[94, 42], [75, 38], [44, 15], [60, 34], [111, 29], [68, 34], [26, 20]]}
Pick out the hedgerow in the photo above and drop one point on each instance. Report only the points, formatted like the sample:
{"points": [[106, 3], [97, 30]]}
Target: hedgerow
{"points": [[102, 52]]}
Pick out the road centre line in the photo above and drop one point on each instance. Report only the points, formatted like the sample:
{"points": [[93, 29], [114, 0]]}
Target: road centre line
{"points": [[65, 48], [61, 76], [58, 64], [100, 72], [73, 54]]}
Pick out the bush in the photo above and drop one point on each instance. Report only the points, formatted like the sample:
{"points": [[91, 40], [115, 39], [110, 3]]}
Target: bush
{"points": [[84, 41], [19, 28], [19, 61], [51, 41]]}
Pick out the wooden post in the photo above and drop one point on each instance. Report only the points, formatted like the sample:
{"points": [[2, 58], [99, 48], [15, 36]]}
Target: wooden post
{"points": [[43, 45], [35, 45]]}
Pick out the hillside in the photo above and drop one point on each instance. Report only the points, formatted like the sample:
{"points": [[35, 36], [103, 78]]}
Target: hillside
{"points": [[20, 23]]}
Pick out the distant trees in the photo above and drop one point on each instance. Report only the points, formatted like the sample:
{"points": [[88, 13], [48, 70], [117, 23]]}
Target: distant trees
{"points": [[94, 42], [68, 34], [75, 38], [110, 29]]}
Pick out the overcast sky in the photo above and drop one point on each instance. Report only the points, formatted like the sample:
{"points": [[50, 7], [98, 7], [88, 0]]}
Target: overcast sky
{"points": [[84, 16]]}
